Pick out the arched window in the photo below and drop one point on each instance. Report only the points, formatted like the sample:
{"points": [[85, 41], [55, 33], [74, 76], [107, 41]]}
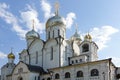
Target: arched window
{"points": [[58, 32], [79, 74], [65, 52], [35, 77], [36, 57], [38, 77], [67, 75], [57, 76], [94, 72], [48, 35], [51, 53], [53, 33], [85, 48]]}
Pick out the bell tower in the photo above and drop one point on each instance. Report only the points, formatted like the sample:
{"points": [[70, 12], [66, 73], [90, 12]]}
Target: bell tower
{"points": [[89, 48]]}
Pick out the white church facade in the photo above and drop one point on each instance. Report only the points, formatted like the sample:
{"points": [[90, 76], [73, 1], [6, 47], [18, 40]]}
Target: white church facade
{"points": [[58, 58]]}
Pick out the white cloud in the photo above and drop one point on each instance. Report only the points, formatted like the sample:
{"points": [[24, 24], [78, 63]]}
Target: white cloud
{"points": [[102, 35], [31, 14], [70, 19], [2, 55], [10, 19], [46, 7], [28, 15]]}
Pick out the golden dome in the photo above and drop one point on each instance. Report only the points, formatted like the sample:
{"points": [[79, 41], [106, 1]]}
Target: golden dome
{"points": [[88, 37], [11, 56]]}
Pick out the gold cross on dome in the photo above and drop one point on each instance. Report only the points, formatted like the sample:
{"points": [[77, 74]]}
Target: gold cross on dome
{"points": [[33, 23], [76, 26], [11, 49], [56, 8]]}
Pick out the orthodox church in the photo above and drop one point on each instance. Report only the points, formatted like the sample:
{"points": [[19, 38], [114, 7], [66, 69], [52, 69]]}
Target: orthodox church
{"points": [[58, 58]]}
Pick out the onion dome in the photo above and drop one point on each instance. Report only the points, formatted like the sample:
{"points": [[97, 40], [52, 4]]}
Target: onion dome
{"points": [[11, 56], [88, 37], [77, 36], [32, 34], [55, 21]]}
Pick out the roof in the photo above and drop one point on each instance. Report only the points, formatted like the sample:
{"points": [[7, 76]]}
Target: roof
{"points": [[33, 68], [7, 65], [92, 62]]}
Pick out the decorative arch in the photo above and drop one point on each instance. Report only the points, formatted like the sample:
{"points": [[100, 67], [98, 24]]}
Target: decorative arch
{"points": [[48, 43], [94, 72], [57, 76], [79, 74], [85, 47], [67, 75]]}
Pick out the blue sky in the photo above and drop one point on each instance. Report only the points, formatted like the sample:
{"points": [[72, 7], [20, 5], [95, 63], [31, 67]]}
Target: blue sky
{"points": [[101, 18]]}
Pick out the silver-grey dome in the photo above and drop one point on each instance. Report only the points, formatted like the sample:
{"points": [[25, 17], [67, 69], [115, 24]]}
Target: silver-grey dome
{"points": [[77, 36], [32, 34], [55, 20]]}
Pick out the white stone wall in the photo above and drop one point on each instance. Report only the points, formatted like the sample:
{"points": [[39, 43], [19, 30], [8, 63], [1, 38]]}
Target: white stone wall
{"points": [[47, 61], [101, 66], [23, 56], [7, 70], [78, 59], [76, 49], [25, 73], [36, 47]]}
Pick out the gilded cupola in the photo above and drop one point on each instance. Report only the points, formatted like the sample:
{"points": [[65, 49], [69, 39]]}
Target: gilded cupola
{"points": [[11, 56], [88, 37]]}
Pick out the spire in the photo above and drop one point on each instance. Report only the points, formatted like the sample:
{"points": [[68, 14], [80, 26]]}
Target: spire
{"points": [[11, 49], [76, 27], [33, 24], [56, 8]]}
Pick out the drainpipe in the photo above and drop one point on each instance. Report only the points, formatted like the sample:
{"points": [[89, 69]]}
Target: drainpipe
{"points": [[28, 55], [109, 69]]}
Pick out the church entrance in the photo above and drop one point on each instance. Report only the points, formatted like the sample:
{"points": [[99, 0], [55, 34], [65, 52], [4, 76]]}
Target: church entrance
{"points": [[20, 78]]}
